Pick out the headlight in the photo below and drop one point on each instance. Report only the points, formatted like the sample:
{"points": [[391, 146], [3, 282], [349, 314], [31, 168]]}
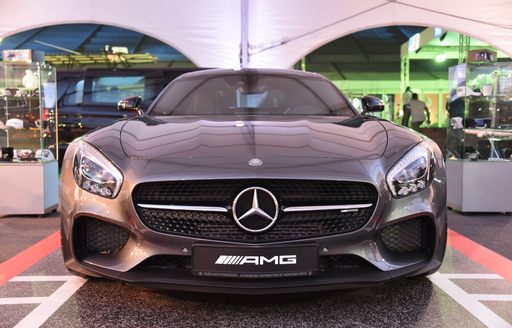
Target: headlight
{"points": [[413, 172], [95, 173]]}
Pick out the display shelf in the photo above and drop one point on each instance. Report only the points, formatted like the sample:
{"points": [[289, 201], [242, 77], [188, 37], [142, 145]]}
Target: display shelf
{"points": [[28, 188], [479, 186], [28, 109], [28, 138]]}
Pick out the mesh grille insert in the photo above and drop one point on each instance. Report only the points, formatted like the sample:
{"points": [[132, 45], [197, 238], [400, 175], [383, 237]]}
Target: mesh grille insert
{"points": [[214, 225], [223, 192], [93, 236], [409, 236]]}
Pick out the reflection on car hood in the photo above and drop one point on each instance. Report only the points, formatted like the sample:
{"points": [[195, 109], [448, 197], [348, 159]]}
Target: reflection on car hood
{"points": [[226, 137]]}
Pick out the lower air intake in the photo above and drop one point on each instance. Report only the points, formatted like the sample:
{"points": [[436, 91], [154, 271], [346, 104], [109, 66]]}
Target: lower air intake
{"points": [[330, 263], [409, 236], [93, 236], [165, 262]]}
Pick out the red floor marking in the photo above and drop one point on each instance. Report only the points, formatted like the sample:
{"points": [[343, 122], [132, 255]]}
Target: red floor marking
{"points": [[27, 258], [481, 255]]}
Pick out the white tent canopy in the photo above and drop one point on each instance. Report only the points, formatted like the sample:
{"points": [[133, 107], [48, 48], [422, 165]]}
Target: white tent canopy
{"points": [[280, 32]]}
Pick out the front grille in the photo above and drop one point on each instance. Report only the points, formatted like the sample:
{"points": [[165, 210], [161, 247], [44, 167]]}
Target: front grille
{"points": [[221, 226], [93, 236], [409, 236], [223, 192]]}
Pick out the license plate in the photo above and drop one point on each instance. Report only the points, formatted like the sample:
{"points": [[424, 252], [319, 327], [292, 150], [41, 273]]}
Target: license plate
{"points": [[255, 262]]}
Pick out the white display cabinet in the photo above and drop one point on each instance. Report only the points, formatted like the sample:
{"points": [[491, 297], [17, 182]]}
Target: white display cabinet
{"points": [[29, 181], [479, 137]]}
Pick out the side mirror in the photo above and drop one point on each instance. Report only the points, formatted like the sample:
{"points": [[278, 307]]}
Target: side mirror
{"points": [[371, 104], [130, 104]]}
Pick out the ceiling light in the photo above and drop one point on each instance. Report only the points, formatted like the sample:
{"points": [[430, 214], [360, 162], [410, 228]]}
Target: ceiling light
{"points": [[440, 58]]}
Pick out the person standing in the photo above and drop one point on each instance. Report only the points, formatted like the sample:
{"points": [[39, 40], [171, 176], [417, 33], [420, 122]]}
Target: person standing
{"points": [[417, 111], [455, 107], [406, 97]]}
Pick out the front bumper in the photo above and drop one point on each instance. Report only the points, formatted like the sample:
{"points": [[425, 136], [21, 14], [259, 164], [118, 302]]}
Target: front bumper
{"points": [[183, 281], [376, 263]]}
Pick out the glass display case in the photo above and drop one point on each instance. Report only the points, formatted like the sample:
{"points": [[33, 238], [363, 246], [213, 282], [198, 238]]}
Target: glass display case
{"points": [[479, 137], [28, 139], [480, 112], [28, 112]]}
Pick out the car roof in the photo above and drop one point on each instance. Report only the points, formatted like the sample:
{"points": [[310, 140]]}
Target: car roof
{"points": [[256, 71]]}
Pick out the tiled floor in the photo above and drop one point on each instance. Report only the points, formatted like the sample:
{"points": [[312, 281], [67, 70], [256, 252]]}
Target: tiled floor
{"points": [[463, 294]]}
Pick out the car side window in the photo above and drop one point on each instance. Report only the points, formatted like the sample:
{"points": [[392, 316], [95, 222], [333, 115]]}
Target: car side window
{"points": [[111, 89], [74, 94]]}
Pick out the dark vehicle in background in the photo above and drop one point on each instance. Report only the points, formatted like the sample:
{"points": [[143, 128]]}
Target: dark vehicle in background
{"points": [[88, 98]]}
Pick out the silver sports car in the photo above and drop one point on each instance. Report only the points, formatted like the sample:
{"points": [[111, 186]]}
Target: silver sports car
{"points": [[253, 181]]}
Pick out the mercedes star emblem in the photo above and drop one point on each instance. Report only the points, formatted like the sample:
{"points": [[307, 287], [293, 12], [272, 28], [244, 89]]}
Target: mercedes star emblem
{"points": [[255, 162], [255, 209]]}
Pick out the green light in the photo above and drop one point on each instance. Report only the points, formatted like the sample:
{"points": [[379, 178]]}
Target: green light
{"points": [[440, 58]]}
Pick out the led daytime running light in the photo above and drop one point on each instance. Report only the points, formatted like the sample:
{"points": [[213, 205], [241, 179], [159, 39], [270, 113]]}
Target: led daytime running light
{"points": [[413, 172], [95, 173]]}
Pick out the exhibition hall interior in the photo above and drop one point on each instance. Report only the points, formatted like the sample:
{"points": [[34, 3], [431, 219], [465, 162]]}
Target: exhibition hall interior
{"points": [[242, 163]]}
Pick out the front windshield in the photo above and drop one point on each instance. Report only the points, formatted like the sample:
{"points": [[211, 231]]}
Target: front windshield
{"points": [[250, 93]]}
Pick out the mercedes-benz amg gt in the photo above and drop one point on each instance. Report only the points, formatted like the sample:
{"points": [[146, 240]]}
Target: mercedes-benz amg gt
{"points": [[253, 181]]}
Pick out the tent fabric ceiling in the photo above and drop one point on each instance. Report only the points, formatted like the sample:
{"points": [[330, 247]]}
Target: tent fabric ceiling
{"points": [[366, 55], [280, 32], [207, 32], [89, 39], [291, 29]]}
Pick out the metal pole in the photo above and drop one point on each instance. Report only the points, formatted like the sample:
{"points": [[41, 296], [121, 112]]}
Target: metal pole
{"points": [[244, 40], [404, 79], [464, 46]]}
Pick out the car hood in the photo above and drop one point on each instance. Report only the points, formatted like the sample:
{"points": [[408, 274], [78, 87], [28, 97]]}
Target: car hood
{"points": [[335, 138]]}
